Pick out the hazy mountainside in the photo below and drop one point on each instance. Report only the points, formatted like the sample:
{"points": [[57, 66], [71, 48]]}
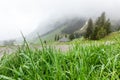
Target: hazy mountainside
{"points": [[48, 28], [73, 25], [62, 26], [83, 29], [115, 25], [68, 27], [76, 25]]}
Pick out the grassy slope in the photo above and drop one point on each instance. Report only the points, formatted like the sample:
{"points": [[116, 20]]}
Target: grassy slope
{"points": [[86, 60], [50, 37], [110, 38]]}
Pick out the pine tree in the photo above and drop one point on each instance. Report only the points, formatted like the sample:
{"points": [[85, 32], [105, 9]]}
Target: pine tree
{"points": [[101, 33], [89, 30], [94, 34], [65, 35], [101, 28], [102, 19], [58, 37], [71, 36], [55, 37], [107, 26]]}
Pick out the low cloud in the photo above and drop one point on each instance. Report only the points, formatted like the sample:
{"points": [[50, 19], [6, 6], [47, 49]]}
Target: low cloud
{"points": [[27, 15]]}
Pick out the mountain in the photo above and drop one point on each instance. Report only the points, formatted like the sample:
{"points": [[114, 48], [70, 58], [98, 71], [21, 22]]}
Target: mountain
{"points": [[62, 27], [115, 25], [82, 30], [59, 27]]}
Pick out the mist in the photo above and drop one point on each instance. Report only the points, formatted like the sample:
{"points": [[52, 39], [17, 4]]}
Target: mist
{"points": [[27, 15]]}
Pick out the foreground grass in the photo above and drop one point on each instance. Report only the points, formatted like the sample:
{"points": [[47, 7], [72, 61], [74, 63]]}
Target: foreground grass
{"points": [[93, 62]]}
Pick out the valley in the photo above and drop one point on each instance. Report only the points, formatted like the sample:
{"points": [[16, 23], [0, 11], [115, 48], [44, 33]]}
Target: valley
{"points": [[76, 49]]}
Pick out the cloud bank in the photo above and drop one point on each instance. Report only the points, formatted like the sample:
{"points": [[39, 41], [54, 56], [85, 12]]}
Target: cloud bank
{"points": [[27, 15]]}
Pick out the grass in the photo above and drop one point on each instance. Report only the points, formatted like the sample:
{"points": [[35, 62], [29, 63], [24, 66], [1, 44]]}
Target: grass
{"points": [[81, 62]]}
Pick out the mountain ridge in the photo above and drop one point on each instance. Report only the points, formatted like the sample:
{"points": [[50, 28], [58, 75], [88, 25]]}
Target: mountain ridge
{"points": [[62, 26]]}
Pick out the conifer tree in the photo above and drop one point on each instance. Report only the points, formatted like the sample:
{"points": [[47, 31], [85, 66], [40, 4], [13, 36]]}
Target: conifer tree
{"points": [[55, 37], [71, 36], [58, 37], [89, 30], [100, 29]]}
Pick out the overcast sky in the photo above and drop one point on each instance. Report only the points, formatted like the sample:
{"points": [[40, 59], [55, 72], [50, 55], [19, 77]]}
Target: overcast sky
{"points": [[26, 15]]}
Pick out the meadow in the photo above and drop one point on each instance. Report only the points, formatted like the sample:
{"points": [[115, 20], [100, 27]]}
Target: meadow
{"points": [[85, 60]]}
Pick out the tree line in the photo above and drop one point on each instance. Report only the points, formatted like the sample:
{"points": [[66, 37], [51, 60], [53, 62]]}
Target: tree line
{"points": [[94, 31], [99, 29]]}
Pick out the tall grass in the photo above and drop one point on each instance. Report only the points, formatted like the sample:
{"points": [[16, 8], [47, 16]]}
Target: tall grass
{"points": [[79, 63]]}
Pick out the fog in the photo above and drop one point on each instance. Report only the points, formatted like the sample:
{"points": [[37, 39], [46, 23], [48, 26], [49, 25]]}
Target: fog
{"points": [[27, 15]]}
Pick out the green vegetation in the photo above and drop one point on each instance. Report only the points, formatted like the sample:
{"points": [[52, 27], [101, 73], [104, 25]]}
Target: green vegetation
{"points": [[100, 29], [52, 35], [89, 30], [71, 36], [88, 60], [62, 28], [94, 58]]}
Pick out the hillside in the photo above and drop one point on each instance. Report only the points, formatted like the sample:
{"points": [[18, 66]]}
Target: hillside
{"points": [[95, 59], [60, 27]]}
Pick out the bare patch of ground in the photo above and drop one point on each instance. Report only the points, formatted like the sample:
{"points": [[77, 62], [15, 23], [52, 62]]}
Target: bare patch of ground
{"points": [[9, 50]]}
